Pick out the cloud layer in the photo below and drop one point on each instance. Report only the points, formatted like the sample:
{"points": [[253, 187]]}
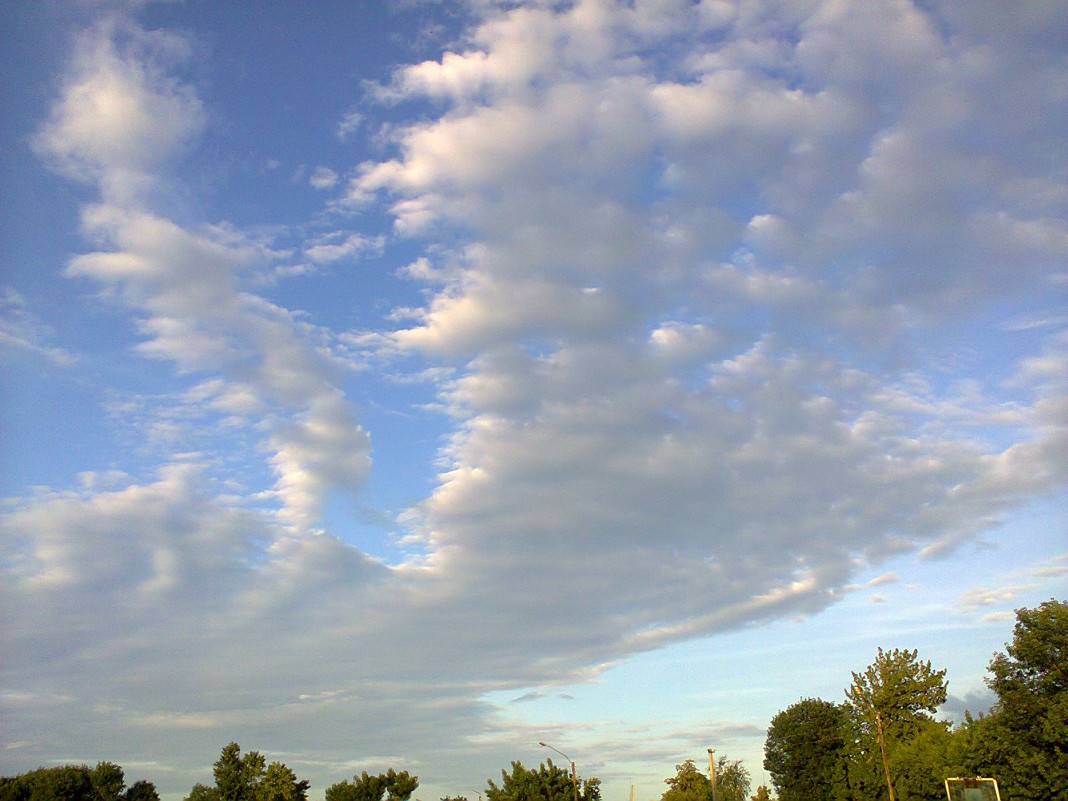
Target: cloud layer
{"points": [[700, 278]]}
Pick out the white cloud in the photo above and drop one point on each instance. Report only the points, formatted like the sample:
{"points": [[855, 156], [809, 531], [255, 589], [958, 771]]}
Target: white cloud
{"points": [[323, 178], [22, 332], [339, 245], [678, 309], [121, 114], [349, 124]]}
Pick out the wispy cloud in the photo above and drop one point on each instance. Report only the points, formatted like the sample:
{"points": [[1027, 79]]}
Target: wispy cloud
{"points": [[22, 332]]}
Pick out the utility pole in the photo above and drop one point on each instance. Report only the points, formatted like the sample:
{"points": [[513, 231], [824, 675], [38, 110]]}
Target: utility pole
{"points": [[574, 776], [882, 748], [712, 773]]}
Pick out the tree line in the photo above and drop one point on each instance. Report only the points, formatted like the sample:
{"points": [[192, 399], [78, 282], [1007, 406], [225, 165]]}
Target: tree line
{"points": [[882, 743], [105, 782]]}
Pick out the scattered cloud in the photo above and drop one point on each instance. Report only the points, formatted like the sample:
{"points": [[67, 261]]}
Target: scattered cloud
{"points": [[323, 178], [349, 124]]}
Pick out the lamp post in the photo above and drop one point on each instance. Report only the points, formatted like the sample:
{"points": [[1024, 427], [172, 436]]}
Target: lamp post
{"points": [[574, 780]]}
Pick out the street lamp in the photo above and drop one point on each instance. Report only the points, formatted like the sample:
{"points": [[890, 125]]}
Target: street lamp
{"points": [[574, 781]]}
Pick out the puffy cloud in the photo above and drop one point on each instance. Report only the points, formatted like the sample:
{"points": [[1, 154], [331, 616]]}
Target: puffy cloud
{"points": [[727, 391], [122, 113], [690, 272]]}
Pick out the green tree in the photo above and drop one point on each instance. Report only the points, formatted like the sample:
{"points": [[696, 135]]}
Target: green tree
{"points": [[105, 782], [920, 763], [805, 751], [236, 776], [142, 790], [688, 784], [108, 781], [548, 783], [201, 792], [691, 784], [761, 794], [281, 784], [890, 700], [1023, 742], [249, 778], [390, 785], [64, 783], [732, 780]]}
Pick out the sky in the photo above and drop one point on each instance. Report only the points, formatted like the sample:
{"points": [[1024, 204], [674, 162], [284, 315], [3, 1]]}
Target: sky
{"points": [[401, 385]]}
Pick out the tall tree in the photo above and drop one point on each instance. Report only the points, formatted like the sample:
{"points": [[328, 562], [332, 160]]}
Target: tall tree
{"points": [[249, 778], [236, 776], [1025, 738], [805, 751], [890, 699]]}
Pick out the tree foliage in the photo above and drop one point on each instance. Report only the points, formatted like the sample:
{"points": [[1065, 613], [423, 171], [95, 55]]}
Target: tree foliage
{"points": [[732, 780], [898, 688], [105, 782], [1025, 737], [691, 784], [889, 702], [391, 786], [548, 783], [249, 778], [688, 784], [805, 751]]}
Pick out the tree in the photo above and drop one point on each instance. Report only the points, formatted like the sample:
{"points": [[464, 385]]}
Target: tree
{"points": [[391, 785], [805, 751], [281, 784], [1024, 740], [105, 782], [890, 699], [761, 794], [142, 791], [732, 780], [920, 763], [249, 778], [108, 781], [691, 784], [201, 792], [688, 784], [548, 783]]}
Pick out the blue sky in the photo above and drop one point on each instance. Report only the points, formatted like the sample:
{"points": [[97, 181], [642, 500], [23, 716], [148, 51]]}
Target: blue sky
{"points": [[403, 385]]}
